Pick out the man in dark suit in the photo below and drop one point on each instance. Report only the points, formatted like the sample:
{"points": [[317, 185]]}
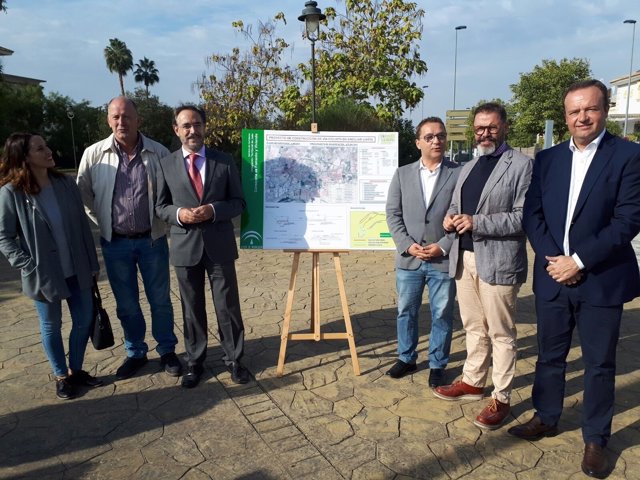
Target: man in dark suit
{"points": [[419, 197], [581, 212], [199, 192]]}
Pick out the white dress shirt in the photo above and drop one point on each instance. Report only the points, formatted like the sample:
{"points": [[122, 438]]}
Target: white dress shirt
{"points": [[428, 179], [580, 163]]}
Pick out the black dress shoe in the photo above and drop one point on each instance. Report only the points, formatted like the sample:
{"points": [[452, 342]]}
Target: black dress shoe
{"points": [[534, 429], [594, 462], [171, 364], [192, 377], [64, 389], [436, 377], [400, 369], [239, 374], [130, 366], [83, 379]]}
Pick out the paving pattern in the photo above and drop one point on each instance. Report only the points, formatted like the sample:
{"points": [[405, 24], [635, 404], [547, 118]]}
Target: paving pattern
{"points": [[317, 421]]}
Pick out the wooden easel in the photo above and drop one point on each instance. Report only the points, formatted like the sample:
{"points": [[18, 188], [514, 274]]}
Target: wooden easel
{"points": [[315, 333]]}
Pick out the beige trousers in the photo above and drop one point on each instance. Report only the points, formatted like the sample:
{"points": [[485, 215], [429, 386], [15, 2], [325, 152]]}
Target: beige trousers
{"points": [[488, 317]]}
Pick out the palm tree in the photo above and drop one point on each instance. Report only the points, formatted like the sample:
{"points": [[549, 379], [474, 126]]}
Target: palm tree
{"points": [[147, 73], [119, 59]]}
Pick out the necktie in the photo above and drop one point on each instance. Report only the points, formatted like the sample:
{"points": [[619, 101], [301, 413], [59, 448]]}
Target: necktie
{"points": [[194, 175]]}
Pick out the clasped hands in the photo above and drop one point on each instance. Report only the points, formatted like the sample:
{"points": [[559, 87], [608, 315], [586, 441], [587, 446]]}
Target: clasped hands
{"points": [[426, 253], [195, 215], [459, 223], [563, 269]]}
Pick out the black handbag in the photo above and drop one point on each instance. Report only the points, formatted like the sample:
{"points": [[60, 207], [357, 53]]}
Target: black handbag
{"points": [[101, 333]]}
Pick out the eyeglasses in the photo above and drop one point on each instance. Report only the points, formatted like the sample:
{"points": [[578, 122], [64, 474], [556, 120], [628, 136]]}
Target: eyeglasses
{"points": [[440, 136], [492, 129]]}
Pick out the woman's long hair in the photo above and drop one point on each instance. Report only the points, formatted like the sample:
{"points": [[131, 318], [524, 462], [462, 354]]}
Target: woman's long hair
{"points": [[13, 164]]}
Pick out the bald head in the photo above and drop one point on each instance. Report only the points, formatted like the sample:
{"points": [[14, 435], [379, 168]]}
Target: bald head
{"points": [[122, 117]]}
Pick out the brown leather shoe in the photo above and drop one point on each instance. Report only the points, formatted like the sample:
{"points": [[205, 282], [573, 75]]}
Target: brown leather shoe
{"points": [[459, 391], [594, 462], [534, 429], [493, 415]]}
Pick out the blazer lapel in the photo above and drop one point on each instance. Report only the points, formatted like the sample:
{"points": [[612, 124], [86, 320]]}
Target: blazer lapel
{"points": [[464, 174], [503, 164], [559, 184], [600, 160], [445, 173], [208, 174]]}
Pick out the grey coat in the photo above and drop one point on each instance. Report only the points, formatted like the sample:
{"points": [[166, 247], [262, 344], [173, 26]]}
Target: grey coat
{"points": [[222, 189], [26, 239], [411, 222], [499, 242]]}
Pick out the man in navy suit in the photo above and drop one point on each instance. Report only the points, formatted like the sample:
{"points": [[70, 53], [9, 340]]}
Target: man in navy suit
{"points": [[581, 212], [199, 193]]}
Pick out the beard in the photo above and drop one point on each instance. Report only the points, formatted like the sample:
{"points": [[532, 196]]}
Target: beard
{"points": [[482, 150]]}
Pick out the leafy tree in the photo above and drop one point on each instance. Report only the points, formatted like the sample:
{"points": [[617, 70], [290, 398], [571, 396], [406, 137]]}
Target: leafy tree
{"points": [[538, 97], [147, 73], [369, 53], [156, 118], [119, 59], [407, 150], [21, 110], [246, 88], [348, 115], [89, 126], [614, 128], [3, 6]]}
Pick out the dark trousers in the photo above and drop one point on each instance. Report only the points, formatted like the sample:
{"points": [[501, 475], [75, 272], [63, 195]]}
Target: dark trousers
{"points": [[599, 329], [224, 288]]}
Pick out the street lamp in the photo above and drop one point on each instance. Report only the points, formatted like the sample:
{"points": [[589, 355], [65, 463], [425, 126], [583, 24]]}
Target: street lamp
{"points": [[424, 87], [70, 114], [455, 72], [311, 16], [455, 63], [626, 112]]}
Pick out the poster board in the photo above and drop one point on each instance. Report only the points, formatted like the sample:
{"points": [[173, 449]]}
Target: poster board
{"points": [[317, 190]]}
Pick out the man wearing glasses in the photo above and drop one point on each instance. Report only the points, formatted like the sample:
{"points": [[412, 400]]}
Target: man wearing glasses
{"points": [[489, 262], [419, 197]]}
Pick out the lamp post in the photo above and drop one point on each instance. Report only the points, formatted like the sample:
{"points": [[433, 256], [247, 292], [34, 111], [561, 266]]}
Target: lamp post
{"points": [[455, 72], [311, 16], [626, 112], [424, 88], [70, 114]]}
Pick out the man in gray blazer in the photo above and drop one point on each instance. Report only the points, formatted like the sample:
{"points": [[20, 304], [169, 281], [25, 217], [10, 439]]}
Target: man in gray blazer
{"points": [[418, 199], [199, 193], [489, 262]]}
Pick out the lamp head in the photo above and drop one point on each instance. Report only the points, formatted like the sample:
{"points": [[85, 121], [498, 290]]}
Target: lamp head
{"points": [[311, 16]]}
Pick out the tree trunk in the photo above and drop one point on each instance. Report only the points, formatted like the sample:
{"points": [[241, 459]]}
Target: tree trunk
{"points": [[121, 83]]}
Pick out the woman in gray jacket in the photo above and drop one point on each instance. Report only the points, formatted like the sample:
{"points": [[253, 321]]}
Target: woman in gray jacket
{"points": [[45, 233]]}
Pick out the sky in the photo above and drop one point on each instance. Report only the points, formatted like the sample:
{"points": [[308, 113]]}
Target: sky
{"points": [[62, 42]]}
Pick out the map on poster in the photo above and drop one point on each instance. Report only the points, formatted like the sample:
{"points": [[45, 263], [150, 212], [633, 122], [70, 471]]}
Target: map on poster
{"points": [[317, 190]]}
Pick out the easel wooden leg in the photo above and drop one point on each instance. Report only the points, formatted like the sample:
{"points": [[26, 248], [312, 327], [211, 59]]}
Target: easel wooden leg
{"points": [[284, 335], [315, 297], [345, 313], [315, 333]]}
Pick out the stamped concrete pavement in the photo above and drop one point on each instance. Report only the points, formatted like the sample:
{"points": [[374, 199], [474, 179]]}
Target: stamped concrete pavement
{"points": [[317, 421]]}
